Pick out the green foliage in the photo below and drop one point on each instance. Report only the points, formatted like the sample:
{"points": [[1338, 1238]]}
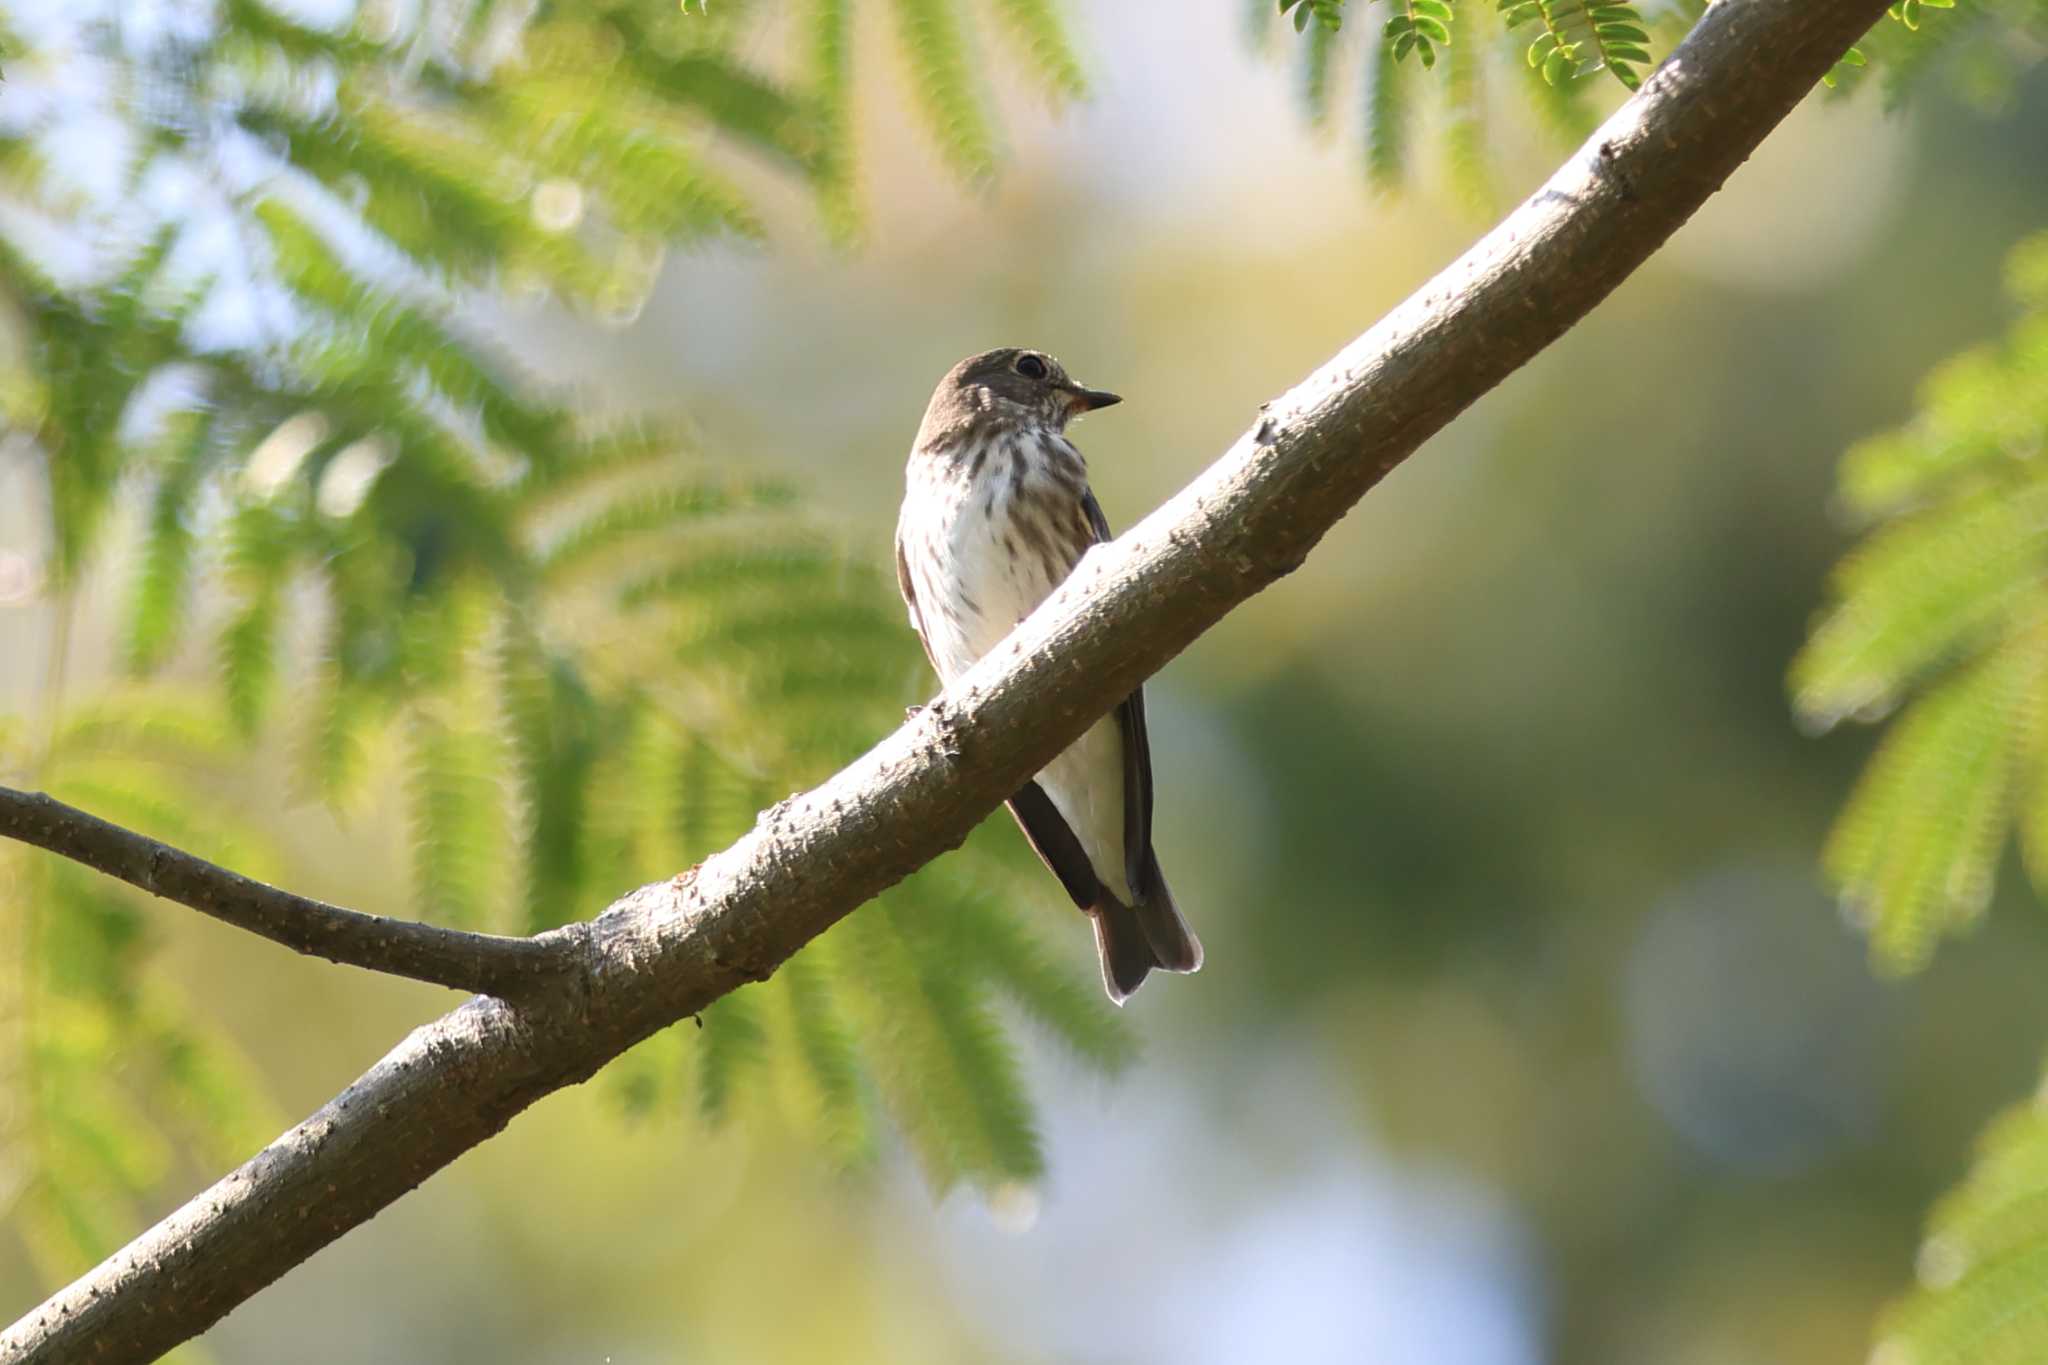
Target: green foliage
{"points": [[942, 75], [1328, 14], [1464, 121], [1941, 610], [733, 1043], [1466, 45], [86, 1140], [1984, 1259], [1316, 57], [1913, 853], [1579, 36], [841, 1113], [583, 657], [828, 59], [157, 608], [1035, 27], [1386, 132], [1420, 27], [1977, 47]]}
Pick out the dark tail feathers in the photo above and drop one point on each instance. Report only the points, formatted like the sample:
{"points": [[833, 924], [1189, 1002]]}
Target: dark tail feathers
{"points": [[1132, 940]]}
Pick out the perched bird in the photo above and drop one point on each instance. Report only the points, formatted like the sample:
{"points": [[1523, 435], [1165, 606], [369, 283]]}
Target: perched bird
{"points": [[996, 513]]}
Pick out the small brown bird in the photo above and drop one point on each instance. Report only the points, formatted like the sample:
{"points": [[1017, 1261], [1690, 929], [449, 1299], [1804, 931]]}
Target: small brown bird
{"points": [[996, 513]]}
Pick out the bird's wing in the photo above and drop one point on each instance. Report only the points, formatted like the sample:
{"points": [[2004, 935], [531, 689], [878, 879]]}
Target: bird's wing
{"points": [[1053, 840], [1139, 868], [1047, 830], [910, 600]]}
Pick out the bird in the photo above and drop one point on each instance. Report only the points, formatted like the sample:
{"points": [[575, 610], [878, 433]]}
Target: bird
{"points": [[996, 513]]}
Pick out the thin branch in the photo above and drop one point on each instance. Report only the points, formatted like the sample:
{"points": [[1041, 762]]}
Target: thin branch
{"points": [[483, 963], [668, 949]]}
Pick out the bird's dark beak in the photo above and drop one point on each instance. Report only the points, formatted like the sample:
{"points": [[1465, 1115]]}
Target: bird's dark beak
{"points": [[1088, 400]]}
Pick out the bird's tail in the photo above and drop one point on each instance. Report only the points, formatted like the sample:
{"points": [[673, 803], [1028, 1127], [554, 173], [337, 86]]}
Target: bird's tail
{"points": [[1133, 939]]}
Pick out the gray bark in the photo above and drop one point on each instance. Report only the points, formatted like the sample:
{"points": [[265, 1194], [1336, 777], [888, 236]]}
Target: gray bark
{"points": [[486, 963]]}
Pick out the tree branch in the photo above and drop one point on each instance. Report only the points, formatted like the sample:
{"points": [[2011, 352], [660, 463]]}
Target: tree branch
{"points": [[668, 949], [484, 963]]}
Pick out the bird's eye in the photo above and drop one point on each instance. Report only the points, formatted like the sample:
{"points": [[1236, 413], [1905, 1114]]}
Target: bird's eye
{"points": [[1031, 366]]}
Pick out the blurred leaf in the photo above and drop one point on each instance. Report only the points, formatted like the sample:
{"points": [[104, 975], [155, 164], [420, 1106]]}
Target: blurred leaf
{"points": [[455, 798], [1984, 1260], [940, 1061], [1465, 127], [114, 1061], [1982, 413], [830, 57], [1978, 49], [1386, 133], [1917, 593], [731, 1043], [1036, 28], [1943, 598], [259, 552], [941, 69], [982, 936], [830, 1058], [1915, 848], [156, 613], [1317, 52]]}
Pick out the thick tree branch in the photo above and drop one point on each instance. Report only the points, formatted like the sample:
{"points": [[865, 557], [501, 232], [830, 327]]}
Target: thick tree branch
{"points": [[484, 963], [669, 949]]}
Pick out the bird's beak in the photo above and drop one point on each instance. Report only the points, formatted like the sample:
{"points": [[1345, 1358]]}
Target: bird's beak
{"points": [[1088, 400]]}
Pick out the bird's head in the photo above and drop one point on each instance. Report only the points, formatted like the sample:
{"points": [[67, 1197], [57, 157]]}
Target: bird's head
{"points": [[1009, 386]]}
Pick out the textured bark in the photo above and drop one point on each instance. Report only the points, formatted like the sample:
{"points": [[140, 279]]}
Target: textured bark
{"points": [[669, 949], [485, 963]]}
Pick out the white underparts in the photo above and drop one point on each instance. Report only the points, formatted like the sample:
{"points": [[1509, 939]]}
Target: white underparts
{"points": [[986, 537]]}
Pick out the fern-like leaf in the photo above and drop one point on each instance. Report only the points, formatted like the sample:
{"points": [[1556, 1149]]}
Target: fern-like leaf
{"points": [[135, 724], [551, 727], [1577, 36], [1419, 27], [583, 548], [1918, 593], [907, 1015], [1943, 604], [1984, 1259], [562, 475], [1035, 27], [1318, 55], [248, 659], [1002, 1144], [200, 1078], [391, 328], [454, 807], [1386, 131], [996, 941], [1916, 847], [935, 48], [1982, 414], [156, 610], [825, 1046], [829, 59], [731, 1044], [1327, 14], [1465, 125]]}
